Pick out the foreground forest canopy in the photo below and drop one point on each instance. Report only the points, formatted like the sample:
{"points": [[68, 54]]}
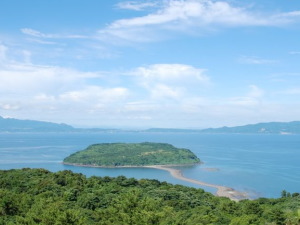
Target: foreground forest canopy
{"points": [[37, 196], [132, 154]]}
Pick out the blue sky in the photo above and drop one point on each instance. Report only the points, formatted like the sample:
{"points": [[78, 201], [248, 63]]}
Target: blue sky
{"points": [[140, 64]]}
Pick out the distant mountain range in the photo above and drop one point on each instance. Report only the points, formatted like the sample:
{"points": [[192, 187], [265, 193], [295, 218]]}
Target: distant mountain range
{"points": [[259, 128], [16, 125], [265, 128]]}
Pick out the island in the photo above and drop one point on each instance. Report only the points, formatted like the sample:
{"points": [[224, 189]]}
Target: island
{"points": [[147, 154], [132, 154]]}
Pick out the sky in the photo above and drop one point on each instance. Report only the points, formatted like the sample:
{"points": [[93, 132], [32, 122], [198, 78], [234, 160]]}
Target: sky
{"points": [[151, 63]]}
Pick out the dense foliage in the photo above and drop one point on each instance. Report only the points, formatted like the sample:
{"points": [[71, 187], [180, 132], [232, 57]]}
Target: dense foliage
{"points": [[132, 154], [37, 196]]}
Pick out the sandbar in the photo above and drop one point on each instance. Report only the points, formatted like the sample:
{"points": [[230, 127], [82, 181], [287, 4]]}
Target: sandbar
{"points": [[222, 191]]}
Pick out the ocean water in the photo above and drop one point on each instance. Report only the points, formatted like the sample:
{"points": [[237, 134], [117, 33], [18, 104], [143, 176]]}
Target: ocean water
{"points": [[262, 165]]}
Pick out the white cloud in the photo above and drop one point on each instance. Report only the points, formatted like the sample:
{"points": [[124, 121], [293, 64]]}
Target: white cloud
{"points": [[195, 17], [287, 17], [96, 94], [22, 78], [27, 56], [255, 60], [135, 5], [171, 73], [70, 47], [42, 41], [170, 81], [195, 104], [192, 12], [38, 34], [255, 92], [183, 15], [161, 91], [44, 98], [243, 101], [35, 33], [141, 106], [292, 91], [44, 91], [294, 52], [3, 51], [7, 106], [169, 95], [252, 99]]}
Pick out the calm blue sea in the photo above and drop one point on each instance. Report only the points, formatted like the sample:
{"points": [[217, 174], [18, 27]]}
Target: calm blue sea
{"points": [[262, 165]]}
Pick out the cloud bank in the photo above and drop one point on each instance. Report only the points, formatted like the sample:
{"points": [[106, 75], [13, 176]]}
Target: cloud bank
{"points": [[112, 76], [200, 16]]}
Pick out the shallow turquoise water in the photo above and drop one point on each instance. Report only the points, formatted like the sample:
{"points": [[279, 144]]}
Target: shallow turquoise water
{"points": [[262, 165]]}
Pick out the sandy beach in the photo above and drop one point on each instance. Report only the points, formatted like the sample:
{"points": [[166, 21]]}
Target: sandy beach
{"points": [[221, 190]]}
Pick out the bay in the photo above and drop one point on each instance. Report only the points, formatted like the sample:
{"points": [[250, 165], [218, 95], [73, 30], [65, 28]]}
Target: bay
{"points": [[262, 165]]}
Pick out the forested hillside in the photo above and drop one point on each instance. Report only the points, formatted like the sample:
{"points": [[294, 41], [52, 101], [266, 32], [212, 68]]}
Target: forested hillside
{"points": [[132, 154], [37, 196]]}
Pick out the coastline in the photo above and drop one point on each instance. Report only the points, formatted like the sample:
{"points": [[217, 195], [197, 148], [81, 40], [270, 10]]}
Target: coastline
{"points": [[222, 191]]}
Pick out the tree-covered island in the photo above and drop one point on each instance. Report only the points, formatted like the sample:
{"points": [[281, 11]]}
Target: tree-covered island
{"points": [[132, 154]]}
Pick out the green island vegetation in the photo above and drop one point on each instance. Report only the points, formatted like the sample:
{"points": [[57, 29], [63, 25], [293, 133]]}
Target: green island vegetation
{"points": [[37, 196], [132, 154]]}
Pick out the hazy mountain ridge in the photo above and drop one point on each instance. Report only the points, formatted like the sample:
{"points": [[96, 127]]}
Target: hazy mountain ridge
{"points": [[17, 125], [270, 127], [261, 128]]}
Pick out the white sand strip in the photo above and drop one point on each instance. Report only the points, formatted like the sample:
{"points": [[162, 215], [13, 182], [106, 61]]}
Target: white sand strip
{"points": [[221, 190]]}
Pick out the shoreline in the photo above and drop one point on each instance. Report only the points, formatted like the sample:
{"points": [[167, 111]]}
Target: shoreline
{"points": [[222, 191]]}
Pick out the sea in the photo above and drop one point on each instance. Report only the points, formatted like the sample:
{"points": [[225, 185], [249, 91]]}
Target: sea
{"points": [[263, 165]]}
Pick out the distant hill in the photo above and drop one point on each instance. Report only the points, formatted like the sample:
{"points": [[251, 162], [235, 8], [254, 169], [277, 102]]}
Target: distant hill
{"points": [[16, 125], [172, 130], [261, 128]]}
